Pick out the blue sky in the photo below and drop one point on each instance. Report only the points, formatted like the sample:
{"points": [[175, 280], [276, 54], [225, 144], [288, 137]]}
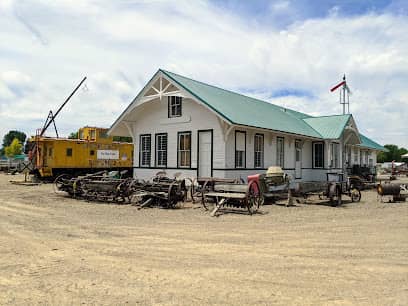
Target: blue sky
{"points": [[287, 52]]}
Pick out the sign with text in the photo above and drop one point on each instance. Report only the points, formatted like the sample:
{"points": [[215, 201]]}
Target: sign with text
{"points": [[107, 154]]}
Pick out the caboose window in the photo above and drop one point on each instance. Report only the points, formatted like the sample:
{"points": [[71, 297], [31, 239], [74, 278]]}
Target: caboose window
{"points": [[92, 152], [103, 134], [69, 151], [174, 106]]}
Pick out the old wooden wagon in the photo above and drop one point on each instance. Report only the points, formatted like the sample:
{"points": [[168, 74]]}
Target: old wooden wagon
{"points": [[333, 189], [235, 195]]}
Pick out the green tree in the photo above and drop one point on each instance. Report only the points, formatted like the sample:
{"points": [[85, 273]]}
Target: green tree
{"points": [[122, 139], [73, 135], [9, 137], [393, 153], [15, 148]]}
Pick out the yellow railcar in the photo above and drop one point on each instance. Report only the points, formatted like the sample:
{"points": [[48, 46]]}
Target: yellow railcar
{"points": [[93, 151]]}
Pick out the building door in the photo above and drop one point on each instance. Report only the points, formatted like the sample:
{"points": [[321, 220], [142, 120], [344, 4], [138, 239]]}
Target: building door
{"points": [[298, 159], [205, 148]]}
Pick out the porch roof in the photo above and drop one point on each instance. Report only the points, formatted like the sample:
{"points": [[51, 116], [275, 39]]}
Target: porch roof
{"points": [[370, 144]]}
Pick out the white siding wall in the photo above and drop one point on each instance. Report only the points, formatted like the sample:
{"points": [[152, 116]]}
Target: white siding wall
{"points": [[270, 141], [152, 118]]}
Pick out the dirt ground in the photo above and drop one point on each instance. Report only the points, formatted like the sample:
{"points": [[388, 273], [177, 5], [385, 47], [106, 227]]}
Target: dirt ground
{"points": [[60, 251]]}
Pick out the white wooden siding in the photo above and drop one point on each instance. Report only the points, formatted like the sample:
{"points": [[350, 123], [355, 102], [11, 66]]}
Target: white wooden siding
{"points": [[152, 118]]}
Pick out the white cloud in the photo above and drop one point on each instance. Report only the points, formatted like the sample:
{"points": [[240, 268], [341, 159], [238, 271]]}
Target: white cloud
{"points": [[119, 45], [280, 6]]}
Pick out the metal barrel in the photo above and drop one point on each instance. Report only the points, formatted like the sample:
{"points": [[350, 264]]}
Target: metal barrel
{"points": [[388, 189]]}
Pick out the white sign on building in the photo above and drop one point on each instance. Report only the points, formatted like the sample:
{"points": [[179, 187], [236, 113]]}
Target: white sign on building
{"points": [[107, 154]]}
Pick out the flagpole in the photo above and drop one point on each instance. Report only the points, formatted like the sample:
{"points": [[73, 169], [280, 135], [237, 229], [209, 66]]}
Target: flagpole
{"points": [[344, 95]]}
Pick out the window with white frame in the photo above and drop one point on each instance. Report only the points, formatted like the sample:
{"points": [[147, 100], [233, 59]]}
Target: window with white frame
{"points": [[240, 149], [145, 150], [366, 158], [318, 155], [280, 152], [161, 150], [334, 155], [355, 155], [184, 150], [174, 106], [258, 150]]}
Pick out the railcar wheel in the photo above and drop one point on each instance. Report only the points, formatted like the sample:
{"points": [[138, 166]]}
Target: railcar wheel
{"points": [[355, 195], [253, 197]]}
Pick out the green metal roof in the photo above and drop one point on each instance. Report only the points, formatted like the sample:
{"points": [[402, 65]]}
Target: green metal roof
{"points": [[243, 110], [329, 127], [371, 144]]}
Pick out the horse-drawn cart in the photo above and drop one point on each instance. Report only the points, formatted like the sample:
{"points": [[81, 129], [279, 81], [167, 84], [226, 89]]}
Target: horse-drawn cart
{"points": [[237, 195], [333, 189]]}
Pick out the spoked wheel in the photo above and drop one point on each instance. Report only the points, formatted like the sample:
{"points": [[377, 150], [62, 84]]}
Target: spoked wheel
{"points": [[355, 195], [336, 201], [171, 196], [339, 200], [254, 197], [59, 183], [205, 201]]}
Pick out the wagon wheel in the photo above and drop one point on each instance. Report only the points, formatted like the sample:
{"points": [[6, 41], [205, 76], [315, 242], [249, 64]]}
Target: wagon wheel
{"points": [[253, 197], [59, 182], [338, 201], [171, 195], [183, 188], [193, 190], [355, 195], [204, 199]]}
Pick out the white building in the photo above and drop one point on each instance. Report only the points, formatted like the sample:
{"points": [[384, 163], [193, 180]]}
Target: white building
{"points": [[182, 125]]}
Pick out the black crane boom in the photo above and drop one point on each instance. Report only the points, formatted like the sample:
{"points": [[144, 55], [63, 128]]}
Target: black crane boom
{"points": [[51, 118]]}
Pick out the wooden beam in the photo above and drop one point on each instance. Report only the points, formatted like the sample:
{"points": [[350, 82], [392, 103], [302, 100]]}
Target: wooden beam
{"points": [[130, 130], [156, 90], [174, 93], [167, 86], [148, 98]]}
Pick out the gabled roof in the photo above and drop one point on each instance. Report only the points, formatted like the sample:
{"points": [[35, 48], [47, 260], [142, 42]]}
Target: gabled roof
{"points": [[242, 110], [370, 144], [329, 127]]}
